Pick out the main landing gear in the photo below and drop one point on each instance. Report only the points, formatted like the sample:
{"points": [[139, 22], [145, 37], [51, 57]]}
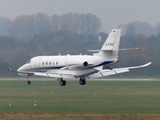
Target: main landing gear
{"points": [[62, 82], [82, 81], [28, 82]]}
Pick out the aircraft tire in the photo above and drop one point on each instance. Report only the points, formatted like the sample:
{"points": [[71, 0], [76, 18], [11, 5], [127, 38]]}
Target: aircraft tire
{"points": [[82, 82], [28, 82], [62, 83]]}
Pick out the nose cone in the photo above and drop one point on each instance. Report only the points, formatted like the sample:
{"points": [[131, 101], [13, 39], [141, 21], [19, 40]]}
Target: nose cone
{"points": [[21, 69]]}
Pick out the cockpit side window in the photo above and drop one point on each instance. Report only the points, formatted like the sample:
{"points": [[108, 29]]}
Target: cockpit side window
{"points": [[28, 62]]}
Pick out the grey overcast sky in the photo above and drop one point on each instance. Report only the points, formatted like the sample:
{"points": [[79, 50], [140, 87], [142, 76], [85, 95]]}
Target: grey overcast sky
{"points": [[111, 12]]}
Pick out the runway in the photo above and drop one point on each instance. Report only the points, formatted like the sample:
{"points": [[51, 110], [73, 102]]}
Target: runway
{"points": [[100, 79]]}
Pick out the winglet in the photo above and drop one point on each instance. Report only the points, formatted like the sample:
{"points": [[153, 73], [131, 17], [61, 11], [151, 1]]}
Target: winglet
{"points": [[145, 65]]}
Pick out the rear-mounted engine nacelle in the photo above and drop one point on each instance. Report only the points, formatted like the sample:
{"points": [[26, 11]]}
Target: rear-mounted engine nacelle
{"points": [[85, 64], [77, 62]]}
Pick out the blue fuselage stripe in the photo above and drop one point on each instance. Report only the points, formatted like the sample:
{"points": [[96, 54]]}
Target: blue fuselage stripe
{"points": [[59, 67]]}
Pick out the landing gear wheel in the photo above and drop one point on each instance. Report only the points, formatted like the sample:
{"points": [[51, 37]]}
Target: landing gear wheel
{"points": [[62, 82], [28, 82], [82, 81]]}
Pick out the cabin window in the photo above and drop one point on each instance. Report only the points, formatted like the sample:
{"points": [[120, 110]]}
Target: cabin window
{"points": [[57, 63], [42, 63], [53, 63], [49, 63], [46, 63]]}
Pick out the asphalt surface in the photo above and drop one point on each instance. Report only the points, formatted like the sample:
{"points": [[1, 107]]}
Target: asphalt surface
{"points": [[102, 79]]}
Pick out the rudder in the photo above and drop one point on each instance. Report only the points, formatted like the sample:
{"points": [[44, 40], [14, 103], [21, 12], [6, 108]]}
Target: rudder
{"points": [[111, 45]]}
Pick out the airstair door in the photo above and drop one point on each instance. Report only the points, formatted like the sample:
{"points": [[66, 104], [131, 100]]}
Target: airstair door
{"points": [[37, 64]]}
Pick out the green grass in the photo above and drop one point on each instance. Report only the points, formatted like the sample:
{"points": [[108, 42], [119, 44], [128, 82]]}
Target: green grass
{"points": [[112, 97]]}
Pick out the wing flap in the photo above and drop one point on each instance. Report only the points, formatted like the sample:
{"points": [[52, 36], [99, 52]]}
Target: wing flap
{"points": [[55, 75], [40, 74], [121, 70], [95, 75], [68, 76], [107, 72]]}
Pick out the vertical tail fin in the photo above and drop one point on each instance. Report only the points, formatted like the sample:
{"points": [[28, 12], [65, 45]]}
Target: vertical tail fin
{"points": [[111, 45]]}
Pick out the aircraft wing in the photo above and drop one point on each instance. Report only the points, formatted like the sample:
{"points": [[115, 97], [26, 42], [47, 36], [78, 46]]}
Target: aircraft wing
{"points": [[21, 73], [67, 73], [55, 75], [45, 74], [107, 72]]}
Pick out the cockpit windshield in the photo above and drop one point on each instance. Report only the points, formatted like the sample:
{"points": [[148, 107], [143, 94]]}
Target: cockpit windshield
{"points": [[28, 62]]}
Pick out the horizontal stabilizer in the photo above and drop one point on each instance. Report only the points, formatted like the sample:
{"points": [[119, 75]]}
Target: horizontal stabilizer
{"points": [[94, 50], [125, 49], [129, 49]]}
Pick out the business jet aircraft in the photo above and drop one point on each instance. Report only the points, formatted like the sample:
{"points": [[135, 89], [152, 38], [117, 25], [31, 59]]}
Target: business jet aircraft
{"points": [[78, 66]]}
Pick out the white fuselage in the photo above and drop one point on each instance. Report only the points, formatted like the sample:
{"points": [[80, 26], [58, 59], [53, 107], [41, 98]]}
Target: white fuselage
{"points": [[77, 65]]}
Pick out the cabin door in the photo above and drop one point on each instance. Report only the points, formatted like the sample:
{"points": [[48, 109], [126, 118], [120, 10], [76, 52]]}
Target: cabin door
{"points": [[37, 63]]}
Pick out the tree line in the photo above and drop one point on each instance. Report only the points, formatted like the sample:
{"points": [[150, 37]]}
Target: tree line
{"points": [[25, 27]]}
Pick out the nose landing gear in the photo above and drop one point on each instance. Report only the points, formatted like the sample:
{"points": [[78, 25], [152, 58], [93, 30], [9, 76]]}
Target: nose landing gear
{"points": [[28, 81]]}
